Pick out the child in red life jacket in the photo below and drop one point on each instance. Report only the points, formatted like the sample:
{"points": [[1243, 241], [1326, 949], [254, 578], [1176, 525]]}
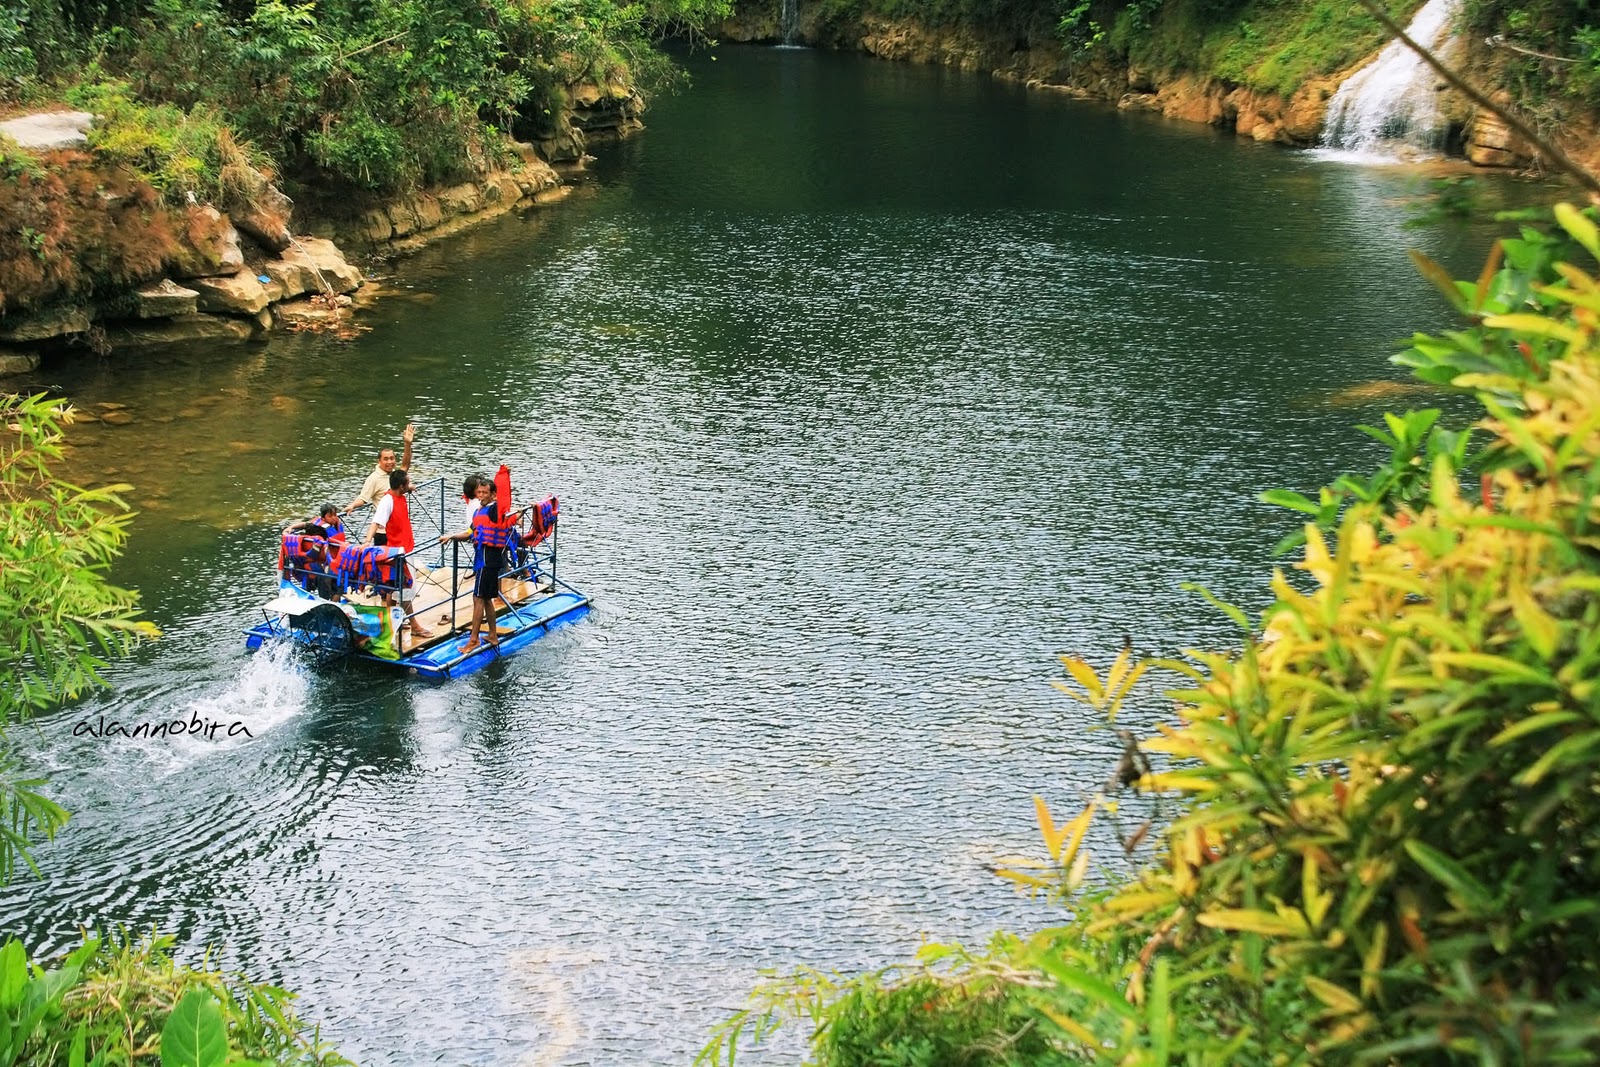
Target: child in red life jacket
{"points": [[489, 539], [329, 519]]}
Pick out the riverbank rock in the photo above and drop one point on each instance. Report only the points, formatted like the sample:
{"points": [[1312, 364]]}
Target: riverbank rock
{"points": [[178, 330], [260, 209], [914, 43], [310, 312], [310, 265], [238, 294], [49, 130], [607, 110], [1491, 143], [164, 299], [208, 245], [14, 361], [43, 325]]}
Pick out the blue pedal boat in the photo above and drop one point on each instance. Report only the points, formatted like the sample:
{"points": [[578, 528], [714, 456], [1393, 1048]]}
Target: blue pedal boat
{"points": [[334, 602]]}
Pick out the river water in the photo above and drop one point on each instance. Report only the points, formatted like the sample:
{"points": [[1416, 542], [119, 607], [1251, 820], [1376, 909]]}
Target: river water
{"points": [[868, 390]]}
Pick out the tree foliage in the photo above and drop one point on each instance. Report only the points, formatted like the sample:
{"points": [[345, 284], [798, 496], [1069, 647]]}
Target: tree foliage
{"points": [[1387, 844], [381, 96], [61, 620]]}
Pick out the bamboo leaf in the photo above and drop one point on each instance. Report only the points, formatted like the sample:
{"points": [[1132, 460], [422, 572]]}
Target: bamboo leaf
{"points": [[1070, 1026], [1053, 836], [1187, 783], [1450, 874], [1337, 999], [1541, 629], [1497, 665], [1285, 498], [1568, 750], [1088, 985], [1159, 1013], [1256, 921], [1074, 834], [1538, 325], [1085, 676], [1533, 724]]}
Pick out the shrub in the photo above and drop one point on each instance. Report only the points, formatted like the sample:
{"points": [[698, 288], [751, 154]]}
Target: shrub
{"points": [[122, 1000]]}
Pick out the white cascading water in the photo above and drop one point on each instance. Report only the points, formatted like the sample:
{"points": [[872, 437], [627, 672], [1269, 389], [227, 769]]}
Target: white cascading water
{"points": [[1391, 106], [788, 21]]}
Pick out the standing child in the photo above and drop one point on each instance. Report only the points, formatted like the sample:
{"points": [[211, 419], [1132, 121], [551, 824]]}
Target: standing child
{"points": [[470, 496], [489, 538]]}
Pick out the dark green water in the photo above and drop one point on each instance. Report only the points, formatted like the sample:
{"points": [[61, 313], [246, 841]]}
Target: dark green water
{"points": [[868, 391]]}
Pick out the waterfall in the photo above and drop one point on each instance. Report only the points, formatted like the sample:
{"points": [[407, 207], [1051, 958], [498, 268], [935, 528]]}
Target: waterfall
{"points": [[1391, 103], [788, 21]]}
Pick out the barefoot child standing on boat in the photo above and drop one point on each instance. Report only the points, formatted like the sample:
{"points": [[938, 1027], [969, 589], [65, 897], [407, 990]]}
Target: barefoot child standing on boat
{"points": [[489, 536]]}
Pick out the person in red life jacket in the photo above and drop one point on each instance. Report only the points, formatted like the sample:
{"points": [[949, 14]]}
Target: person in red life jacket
{"points": [[328, 523], [489, 536], [377, 482], [319, 565], [391, 526], [329, 519]]}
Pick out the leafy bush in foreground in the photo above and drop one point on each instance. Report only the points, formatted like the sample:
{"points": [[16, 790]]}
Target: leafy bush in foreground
{"points": [[121, 1001], [1388, 845]]}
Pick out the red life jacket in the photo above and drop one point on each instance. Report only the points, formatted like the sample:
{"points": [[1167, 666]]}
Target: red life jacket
{"points": [[541, 520], [398, 529], [488, 532]]}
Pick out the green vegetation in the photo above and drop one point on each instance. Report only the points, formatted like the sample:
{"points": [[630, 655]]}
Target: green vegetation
{"points": [[1260, 44], [349, 93], [60, 619], [1550, 49], [1386, 846], [123, 1001], [117, 1001]]}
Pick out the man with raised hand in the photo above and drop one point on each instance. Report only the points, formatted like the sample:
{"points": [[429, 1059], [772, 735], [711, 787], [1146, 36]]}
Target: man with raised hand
{"points": [[377, 483]]}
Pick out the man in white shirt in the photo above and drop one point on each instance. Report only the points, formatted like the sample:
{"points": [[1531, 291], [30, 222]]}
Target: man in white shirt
{"points": [[377, 482]]}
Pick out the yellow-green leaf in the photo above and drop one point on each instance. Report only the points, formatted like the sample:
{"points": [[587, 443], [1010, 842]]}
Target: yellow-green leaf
{"points": [[1338, 1000], [1450, 874], [1256, 921], [1482, 661], [1580, 226], [1534, 324], [1539, 626], [1533, 724]]}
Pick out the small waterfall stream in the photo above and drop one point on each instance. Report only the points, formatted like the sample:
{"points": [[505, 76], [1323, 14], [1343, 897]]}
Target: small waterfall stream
{"points": [[789, 22], [1390, 106]]}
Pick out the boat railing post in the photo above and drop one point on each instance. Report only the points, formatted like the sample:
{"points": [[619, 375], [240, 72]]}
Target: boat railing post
{"points": [[455, 580]]}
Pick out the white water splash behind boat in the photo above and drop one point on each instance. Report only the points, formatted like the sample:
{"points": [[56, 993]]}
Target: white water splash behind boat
{"points": [[1390, 107]]}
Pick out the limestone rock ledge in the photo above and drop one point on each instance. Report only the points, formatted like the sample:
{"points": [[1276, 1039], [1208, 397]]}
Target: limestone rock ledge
{"points": [[404, 224], [215, 307], [217, 288]]}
